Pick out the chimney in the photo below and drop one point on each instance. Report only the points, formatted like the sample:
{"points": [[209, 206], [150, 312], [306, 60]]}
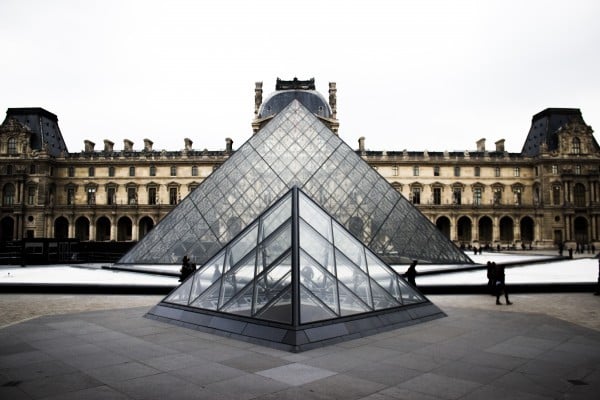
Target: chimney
{"points": [[88, 146], [228, 145], [188, 144], [500, 145], [108, 146], [361, 144], [481, 145], [127, 145], [148, 144]]}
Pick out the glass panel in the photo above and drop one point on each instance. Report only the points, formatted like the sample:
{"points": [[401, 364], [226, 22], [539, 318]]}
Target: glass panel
{"points": [[315, 245], [280, 310], [353, 278], [276, 217], [381, 298], [322, 284], [311, 309], [271, 283], [350, 304], [205, 277], [351, 247], [383, 275], [275, 247], [242, 246], [241, 304], [237, 278], [409, 295], [181, 294], [312, 214], [209, 300]]}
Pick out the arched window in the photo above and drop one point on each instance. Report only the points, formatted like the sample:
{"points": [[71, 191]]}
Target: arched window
{"points": [[91, 171], [111, 171], [8, 198], [579, 195], [576, 145]]}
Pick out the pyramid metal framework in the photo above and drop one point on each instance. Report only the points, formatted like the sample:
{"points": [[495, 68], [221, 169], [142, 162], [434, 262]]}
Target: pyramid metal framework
{"points": [[295, 279], [294, 149]]}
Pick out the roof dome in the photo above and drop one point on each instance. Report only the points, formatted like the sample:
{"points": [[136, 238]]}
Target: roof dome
{"points": [[311, 99]]}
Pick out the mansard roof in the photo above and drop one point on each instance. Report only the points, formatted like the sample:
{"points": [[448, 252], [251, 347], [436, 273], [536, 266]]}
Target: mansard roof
{"points": [[544, 128], [44, 126]]}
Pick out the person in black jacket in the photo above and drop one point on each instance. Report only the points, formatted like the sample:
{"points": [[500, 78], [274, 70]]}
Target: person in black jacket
{"points": [[411, 273], [500, 284]]}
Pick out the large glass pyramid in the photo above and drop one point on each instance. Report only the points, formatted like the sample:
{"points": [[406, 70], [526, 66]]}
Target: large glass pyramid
{"points": [[295, 278], [294, 149]]}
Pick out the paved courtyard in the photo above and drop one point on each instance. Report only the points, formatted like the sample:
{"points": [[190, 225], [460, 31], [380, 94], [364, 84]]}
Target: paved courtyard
{"points": [[545, 346]]}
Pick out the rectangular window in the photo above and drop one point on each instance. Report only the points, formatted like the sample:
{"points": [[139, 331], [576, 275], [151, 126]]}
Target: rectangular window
{"points": [[477, 171], [91, 171], [395, 170], [111, 171], [416, 195], [111, 196], [457, 196], [437, 196], [416, 170], [131, 171], [91, 196], [555, 170], [173, 171], [497, 196], [457, 171], [70, 196], [32, 169], [152, 196], [578, 170], [517, 192], [477, 196], [131, 196], [31, 196], [497, 172], [172, 196], [436, 170], [194, 170], [71, 172], [517, 172]]}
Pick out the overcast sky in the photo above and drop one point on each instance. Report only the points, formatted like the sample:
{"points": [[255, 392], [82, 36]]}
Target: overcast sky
{"points": [[417, 75]]}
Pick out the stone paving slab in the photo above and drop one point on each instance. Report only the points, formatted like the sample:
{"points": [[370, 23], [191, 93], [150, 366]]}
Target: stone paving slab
{"points": [[478, 351]]}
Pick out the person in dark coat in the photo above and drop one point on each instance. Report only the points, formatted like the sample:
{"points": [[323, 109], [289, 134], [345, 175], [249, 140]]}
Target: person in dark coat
{"points": [[500, 284], [411, 273], [490, 276], [185, 271]]}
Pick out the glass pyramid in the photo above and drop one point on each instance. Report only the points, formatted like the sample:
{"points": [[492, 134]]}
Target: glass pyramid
{"points": [[298, 270], [294, 149]]}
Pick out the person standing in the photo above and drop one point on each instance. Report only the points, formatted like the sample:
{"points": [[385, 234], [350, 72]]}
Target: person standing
{"points": [[411, 273], [500, 284], [490, 276]]}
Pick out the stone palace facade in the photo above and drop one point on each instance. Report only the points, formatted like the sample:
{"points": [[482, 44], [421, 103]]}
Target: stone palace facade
{"points": [[548, 193]]}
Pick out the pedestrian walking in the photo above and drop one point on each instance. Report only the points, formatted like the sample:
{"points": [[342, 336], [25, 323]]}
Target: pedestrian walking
{"points": [[500, 284]]}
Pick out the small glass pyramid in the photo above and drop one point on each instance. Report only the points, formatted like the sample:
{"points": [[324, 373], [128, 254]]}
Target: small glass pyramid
{"points": [[293, 267], [294, 149]]}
